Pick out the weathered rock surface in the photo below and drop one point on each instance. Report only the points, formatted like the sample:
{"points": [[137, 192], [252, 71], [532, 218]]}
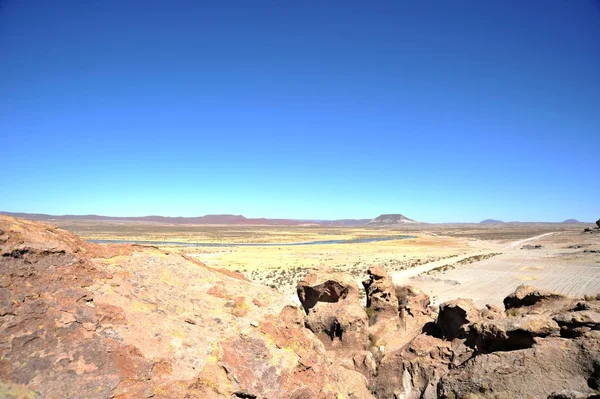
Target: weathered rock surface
{"points": [[79, 320], [333, 312], [528, 296], [381, 293], [396, 314], [512, 333], [551, 365], [413, 371], [455, 318]]}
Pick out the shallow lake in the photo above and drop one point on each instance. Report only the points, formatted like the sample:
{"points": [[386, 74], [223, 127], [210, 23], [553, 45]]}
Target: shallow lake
{"points": [[252, 244]]}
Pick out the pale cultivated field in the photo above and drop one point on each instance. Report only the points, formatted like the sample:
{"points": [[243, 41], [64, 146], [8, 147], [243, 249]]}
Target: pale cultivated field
{"points": [[484, 263]]}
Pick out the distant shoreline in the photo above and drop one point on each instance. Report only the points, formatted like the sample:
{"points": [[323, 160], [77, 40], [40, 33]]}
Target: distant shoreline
{"points": [[252, 244]]}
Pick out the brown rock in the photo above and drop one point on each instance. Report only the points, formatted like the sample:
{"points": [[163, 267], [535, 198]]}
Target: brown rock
{"points": [[526, 295], [327, 286], [414, 370], [492, 312], [381, 293], [551, 365], [333, 312], [455, 318], [512, 333], [142, 323], [382, 306], [576, 323], [567, 394]]}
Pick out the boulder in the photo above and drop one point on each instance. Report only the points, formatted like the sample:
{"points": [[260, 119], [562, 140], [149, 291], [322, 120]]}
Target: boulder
{"points": [[381, 294], [526, 295], [396, 314], [576, 323], [512, 333], [415, 314], [328, 287], [568, 394], [382, 306], [492, 312], [455, 317], [549, 366], [333, 312], [413, 371]]}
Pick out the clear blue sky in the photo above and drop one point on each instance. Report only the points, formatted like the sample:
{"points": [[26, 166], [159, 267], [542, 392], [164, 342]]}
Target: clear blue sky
{"points": [[440, 110]]}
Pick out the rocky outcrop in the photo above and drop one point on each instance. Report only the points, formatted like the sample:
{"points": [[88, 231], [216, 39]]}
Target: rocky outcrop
{"points": [[528, 296], [551, 365], [82, 320], [397, 314], [333, 312], [413, 371], [488, 354], [512, 333], [455, 318], [381, 293]]}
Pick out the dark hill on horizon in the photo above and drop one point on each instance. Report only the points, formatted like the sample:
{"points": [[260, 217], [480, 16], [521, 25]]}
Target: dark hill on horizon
{"points": [[390, 219], [571, 221], [492, 221], [206, 219]]}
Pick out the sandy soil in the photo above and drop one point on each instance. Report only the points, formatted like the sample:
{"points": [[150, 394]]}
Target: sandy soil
{"points": [[556, 266]]}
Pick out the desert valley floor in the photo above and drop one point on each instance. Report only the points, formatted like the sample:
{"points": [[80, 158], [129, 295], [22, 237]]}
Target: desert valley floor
{"points": [[481, 262]]}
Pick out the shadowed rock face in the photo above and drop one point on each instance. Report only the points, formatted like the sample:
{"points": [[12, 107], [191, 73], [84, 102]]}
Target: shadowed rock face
{"points": [[455, 318], [86, 321], [333, 312], [528, 296]]}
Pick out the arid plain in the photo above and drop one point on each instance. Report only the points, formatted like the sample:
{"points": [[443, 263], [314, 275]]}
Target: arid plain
{"points": [[481, 262]]}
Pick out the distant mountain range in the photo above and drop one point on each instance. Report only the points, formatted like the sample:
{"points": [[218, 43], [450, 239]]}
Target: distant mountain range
{"points": [[494, 221], [207, 219], [392, 219]]}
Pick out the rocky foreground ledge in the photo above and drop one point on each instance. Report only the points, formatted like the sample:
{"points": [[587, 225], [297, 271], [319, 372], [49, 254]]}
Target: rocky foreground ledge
{"points": [[81, 320]]}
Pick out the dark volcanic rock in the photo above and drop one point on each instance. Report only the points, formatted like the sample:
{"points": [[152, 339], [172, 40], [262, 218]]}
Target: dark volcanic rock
{"points": [[528, 296], [455, 318], [550, 365], [333, 311], [512, 333]]}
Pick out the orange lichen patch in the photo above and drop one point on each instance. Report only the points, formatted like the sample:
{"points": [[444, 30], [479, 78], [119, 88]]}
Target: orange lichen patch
{"points": [[213, 382], [238, 306], [94, 250], [219, 292], [129, 389], [109, 314], [124, 274], [162, 368], [257, 302]]}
